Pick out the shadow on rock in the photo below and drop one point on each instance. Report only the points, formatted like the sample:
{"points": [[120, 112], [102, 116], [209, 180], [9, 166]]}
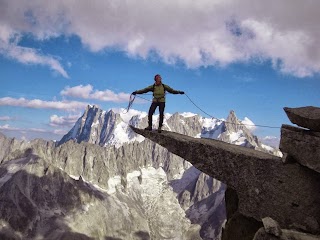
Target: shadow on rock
{"points": [[36, 197]]}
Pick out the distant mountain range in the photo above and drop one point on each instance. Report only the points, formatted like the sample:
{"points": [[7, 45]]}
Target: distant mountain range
{"points": [[109, 128], [103, 181]]}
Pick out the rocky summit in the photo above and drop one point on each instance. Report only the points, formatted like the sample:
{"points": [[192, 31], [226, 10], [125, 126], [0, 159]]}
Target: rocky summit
{"points": [[104, 181], [267, 197]]}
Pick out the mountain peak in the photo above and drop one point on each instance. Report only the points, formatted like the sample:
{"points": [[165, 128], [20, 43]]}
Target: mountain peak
{"points": [[232, 113], [89, 106], [232, 123], [99, 127], [237, 133]]}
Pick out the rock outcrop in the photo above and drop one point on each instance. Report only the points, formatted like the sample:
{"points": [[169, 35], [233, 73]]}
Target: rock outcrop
{"points": [[302, 144], [307, 117], [259, 185]]}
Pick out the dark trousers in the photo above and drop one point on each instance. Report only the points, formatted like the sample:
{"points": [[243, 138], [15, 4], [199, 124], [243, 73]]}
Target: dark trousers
{"points": [[152, 109]]}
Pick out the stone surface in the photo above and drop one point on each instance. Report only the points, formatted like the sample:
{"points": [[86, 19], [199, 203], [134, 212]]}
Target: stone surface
{"points": [[265, 186], [261, 234], [237, 225], [295, 235], [240, 227], [307, 117], [301, 145], [271, 226], [286, 158]]}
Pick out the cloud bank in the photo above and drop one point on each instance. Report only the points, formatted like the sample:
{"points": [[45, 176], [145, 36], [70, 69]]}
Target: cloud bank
{"points": [[5, 118], [80, 92], [9, 47], [37, 103], [87, 92], [31, 133], [198, 33], [63, 121]]}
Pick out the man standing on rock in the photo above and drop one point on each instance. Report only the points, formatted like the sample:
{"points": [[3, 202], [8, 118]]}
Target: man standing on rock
{"points": [[159, 91]]}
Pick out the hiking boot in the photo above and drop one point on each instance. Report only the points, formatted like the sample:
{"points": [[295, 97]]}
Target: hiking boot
{"points": [[149, 128], [159, 129]]}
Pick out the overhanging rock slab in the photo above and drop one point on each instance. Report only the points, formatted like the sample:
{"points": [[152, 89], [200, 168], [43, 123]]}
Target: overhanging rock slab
{"points": [[307, 117], [288, 193]]}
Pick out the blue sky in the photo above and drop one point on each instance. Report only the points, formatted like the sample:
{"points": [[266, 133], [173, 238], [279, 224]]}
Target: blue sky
{"points": [[254, 59]]}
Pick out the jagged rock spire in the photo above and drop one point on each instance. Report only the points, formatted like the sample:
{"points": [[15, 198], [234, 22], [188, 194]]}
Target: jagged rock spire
{"points": [[94, 126], [233, 125]]}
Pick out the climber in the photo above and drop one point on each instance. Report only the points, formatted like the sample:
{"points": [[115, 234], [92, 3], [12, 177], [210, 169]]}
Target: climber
{"points": [[159, 90]]}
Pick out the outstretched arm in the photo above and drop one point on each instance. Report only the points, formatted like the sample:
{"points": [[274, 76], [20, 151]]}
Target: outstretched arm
{"points": [[144, 90], [171, 90]]}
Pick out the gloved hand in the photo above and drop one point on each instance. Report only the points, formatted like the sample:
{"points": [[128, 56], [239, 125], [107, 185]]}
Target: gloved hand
{"points": [[134, 93], [181, 92]]}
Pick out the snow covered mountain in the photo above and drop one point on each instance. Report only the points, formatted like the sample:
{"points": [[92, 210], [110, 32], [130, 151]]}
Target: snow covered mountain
{"points": [[103, 128], [112, 128]]}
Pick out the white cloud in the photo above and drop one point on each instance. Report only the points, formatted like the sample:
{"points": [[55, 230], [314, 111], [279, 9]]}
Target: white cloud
{"points": [[271, 141], [36, 103], [87, 92], [7, 127], [63, 121], [9, 47], [31, 133], [5, 118], [288, 49], [200, 33], [60, 132], [77, 91]]}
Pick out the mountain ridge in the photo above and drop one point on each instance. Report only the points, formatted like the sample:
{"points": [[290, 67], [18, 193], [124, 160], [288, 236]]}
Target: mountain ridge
{"points": [[108, 128]]}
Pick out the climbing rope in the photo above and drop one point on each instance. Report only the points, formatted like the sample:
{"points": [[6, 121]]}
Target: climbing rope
{"points": [[131, 100], [199, 107], [265, 126], [255, 125]]}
